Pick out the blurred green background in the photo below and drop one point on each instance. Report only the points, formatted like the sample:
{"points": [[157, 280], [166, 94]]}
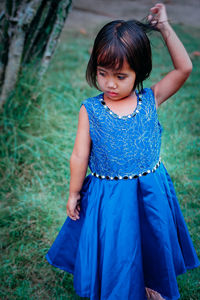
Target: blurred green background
{"points": [[38, 131]]}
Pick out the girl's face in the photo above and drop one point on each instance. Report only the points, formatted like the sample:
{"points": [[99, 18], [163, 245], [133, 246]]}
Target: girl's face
{"points": [[116, 85]]}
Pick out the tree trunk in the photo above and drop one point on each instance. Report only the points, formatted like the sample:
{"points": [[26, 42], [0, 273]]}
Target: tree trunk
{"points": [[29, 32], [63, 9], [13, 65]]}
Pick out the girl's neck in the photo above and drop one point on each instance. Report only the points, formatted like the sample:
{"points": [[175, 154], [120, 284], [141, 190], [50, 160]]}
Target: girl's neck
{"points": [[124, 106]]}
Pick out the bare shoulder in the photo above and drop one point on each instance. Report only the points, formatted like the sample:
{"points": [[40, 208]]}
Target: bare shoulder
{"points": [[83, 122], [83, 111], [83, 140], [83, 116]]}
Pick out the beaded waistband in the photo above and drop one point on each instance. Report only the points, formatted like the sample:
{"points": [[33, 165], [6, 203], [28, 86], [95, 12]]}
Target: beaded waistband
{"points": [[128, 176]]}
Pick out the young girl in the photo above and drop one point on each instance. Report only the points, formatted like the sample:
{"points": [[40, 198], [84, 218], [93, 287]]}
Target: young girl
{"points": [[125, 236]]}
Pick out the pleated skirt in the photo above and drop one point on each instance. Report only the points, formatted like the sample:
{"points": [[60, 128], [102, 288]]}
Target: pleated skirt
{"points": [[131, 234]]}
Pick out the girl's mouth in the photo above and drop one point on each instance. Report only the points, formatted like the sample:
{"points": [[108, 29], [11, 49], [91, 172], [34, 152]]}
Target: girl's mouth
{"points": [[112, 94]]}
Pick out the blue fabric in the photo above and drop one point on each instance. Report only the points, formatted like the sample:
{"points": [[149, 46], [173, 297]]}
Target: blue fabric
{"points": [[124, 146], [131, 233]]}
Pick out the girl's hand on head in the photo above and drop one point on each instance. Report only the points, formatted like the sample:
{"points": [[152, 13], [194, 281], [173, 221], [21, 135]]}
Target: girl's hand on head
{"points": [[73, 207], [158, 15]]}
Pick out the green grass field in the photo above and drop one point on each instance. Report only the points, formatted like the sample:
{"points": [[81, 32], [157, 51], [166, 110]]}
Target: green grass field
{"points": [[38, 127]]}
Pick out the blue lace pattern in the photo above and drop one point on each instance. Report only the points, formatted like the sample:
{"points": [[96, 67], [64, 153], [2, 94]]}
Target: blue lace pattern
{"points": [[123, 146]]}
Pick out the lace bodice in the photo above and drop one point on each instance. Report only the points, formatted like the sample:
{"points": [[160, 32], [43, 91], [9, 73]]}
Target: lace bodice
{"points": [[124, 145]]}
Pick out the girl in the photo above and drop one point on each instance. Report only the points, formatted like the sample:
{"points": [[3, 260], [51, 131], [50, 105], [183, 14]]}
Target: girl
{"points": [[125, 236]]}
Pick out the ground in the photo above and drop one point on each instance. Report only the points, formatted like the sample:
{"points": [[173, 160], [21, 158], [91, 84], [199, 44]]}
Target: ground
{"points": [[87, 14]]}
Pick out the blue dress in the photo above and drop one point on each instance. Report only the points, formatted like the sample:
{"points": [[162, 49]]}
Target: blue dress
{"points": [[131, 233]]}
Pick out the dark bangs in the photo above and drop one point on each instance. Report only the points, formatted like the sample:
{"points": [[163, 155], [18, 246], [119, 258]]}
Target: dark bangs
{"points": [[118, 41], [112, 56]]}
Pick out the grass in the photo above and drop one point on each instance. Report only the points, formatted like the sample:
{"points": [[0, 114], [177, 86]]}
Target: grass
{"points": [[38, 131]]}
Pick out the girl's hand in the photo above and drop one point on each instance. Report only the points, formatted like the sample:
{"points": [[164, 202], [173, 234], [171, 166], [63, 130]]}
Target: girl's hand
{"points": [[158, 15], [73, 206]]}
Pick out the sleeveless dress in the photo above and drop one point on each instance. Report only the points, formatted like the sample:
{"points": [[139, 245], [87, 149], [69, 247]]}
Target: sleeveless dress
{"points": [[131, 233]]}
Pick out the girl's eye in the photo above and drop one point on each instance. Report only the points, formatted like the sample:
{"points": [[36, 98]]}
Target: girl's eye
{"points": [[101, 74], [120, 77]]}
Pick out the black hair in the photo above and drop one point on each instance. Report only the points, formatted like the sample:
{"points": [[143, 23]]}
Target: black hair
{"points": [[119, 40]]}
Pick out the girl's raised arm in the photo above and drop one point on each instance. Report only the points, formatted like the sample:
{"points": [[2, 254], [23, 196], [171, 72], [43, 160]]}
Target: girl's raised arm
{"points": [[172, 82]]}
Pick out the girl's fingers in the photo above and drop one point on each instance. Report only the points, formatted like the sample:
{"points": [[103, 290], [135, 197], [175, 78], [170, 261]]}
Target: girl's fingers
{"points": [[78, 206], [157, 8], [147, 293], [149, 18], [74, 215], [154, 10], [73, 210], [77, 212], [159, 14], [73, 218]]}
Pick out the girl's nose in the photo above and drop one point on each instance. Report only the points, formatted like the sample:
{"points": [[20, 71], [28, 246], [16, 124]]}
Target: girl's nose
{"points": [[111, 84]]}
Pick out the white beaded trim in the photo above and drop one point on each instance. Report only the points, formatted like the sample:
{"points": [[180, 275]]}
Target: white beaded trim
{"points": [[139, 102], [128, 176]]}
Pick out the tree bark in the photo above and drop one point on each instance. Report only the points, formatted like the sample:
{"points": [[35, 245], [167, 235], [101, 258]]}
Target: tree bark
{"points": [[32, 40], [62, 12], [25, 15], [29, 31], [13, 65]]}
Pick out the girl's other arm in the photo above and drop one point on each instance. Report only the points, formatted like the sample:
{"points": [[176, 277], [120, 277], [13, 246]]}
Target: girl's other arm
{"points": [[78, 164], [172, 82]]}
